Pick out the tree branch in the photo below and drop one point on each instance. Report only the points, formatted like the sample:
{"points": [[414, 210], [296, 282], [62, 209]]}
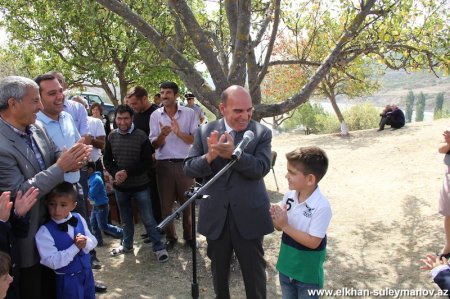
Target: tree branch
{"points": [[238, 63], [166, 49], [307, 90], [265, 66]]}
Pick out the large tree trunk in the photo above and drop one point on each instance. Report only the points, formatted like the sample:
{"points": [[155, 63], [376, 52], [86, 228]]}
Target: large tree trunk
{"points": [[344, 129]]}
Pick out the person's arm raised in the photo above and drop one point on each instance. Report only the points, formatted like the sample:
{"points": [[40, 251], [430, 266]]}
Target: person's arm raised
{"points": [[74, 158]]}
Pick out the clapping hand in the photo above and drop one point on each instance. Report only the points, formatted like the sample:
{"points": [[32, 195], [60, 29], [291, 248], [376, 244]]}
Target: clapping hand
{"points": [[25, 202], [279, 216], [22, 204], [175, 126], [165, 130], [5, 206]]}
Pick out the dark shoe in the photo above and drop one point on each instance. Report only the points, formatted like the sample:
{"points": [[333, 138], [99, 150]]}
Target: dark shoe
{"points": [[170, 244], [144, 236], [147, 240], [99, 288], [95, 263], [191, 243]]}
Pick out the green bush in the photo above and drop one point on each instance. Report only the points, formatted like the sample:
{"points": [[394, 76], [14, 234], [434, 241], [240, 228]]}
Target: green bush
{"points": [[441, 114], [306, 115], [361, 117], [420, 107], [329, 123], [313, 117]]}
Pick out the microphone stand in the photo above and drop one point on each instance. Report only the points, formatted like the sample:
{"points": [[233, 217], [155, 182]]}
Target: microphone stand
{"points": [[193, 194]]}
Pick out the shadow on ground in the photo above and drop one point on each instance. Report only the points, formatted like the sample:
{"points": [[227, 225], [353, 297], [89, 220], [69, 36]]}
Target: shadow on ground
{"points": [[351, 268]]}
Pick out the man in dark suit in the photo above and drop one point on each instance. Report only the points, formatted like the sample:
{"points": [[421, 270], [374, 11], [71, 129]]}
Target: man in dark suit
{"points": [[235, 218], [28, 158]]}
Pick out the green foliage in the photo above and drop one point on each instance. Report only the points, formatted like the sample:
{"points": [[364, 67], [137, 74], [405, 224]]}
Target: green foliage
{"points": [[441, 114], [409, 106], [420, 107], [329, 123], [88, 44], [315, 120], [91, 43], [439, 103], [361, 117], [306, 115]]}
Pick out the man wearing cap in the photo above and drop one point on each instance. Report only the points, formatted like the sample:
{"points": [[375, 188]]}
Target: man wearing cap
{"points": [[190, 99]]}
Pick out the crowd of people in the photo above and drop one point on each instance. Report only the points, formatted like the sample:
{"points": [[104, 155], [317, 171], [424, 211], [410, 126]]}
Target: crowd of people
{"points": [[53, 162]]}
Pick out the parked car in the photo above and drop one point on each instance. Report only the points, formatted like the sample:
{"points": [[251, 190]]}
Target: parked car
{"points": [[108, 109]]}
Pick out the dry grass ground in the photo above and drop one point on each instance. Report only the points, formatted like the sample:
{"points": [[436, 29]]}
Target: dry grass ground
{"points": [[383, 188]]}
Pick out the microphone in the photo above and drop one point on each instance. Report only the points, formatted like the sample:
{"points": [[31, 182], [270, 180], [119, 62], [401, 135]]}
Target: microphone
{"points": [[248, 136]]}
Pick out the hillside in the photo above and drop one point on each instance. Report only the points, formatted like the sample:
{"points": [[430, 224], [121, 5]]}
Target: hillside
{"points": [[396, 84]]}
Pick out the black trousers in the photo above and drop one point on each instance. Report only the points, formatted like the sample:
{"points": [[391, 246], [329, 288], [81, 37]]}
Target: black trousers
{"points": [[390, 121], [250, 254], [37, 282]]}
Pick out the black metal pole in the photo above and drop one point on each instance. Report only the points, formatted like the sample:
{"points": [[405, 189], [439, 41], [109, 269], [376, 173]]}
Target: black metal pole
{"points": [[194, 285], [195, 194]]}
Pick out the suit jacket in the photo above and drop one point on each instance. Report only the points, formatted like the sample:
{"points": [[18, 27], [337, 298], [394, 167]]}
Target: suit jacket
{"points": [[9, 231], [19, 170], [241, 188]]}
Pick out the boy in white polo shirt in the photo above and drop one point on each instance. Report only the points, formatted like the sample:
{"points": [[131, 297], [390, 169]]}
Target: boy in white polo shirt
{"points": [[303, 215]]}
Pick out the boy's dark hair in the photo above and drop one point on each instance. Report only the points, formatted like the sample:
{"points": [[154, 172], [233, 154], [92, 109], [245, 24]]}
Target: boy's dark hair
{"points": [[123, 109], [169, 85], [309, 160], [137, 91], [158, 95], [63, 189], [91, 165], [5, 263]]}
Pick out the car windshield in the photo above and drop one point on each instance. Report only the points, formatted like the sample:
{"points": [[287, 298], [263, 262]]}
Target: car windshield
{"points": [[94, 98]]}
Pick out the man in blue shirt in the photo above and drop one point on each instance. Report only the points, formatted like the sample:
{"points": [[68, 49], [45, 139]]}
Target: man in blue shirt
{"points": [[59, 124], [61, 128]]}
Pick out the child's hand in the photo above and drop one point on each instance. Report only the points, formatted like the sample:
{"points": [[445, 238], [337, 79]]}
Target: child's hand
{"points": [[431, 261], [80, 241], [279, 216], [272, 209]]}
